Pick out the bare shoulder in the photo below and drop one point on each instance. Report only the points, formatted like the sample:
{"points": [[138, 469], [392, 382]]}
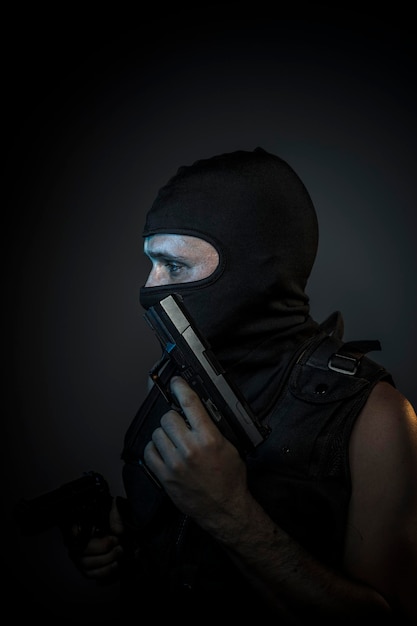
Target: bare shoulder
{"points": [[388, 418], [386, 397], [384, 443], [381, 538]]}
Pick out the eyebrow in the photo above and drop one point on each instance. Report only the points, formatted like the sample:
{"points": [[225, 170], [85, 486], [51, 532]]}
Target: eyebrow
{"points": [[166, 255]]}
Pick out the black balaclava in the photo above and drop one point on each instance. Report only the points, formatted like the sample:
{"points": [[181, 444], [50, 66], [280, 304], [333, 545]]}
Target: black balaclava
{"points": [[257, 213]]}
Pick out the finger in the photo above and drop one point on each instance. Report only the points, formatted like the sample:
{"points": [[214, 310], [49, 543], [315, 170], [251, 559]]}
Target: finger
{"points": [[172, 424], [115, 519], [99, 546], [173, 434], [158, 450], [194, 411], [100, 557], [153, 460], [101, 565]]}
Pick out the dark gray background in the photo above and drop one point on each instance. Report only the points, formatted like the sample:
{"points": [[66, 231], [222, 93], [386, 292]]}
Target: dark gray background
{"points": [[101, 112]]}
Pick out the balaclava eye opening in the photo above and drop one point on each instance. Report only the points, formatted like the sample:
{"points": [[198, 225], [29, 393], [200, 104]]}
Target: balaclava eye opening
{"points": [[256, 211]]}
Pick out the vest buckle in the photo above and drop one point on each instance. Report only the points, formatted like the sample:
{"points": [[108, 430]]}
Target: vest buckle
{"points": [[343, 364]]}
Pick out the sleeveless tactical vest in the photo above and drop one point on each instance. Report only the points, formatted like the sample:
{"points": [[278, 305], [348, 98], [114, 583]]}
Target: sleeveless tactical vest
{"points": [[299, 474]]}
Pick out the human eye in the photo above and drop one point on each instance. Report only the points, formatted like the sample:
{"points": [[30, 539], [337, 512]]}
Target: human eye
{"points": [[174, 269]]}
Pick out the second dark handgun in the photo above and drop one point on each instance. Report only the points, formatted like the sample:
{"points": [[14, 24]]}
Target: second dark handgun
{"points": [[84, 502]]}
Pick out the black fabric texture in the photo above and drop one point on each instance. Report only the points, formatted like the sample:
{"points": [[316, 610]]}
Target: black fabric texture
{"points": [[256, 211], [255, 313]]}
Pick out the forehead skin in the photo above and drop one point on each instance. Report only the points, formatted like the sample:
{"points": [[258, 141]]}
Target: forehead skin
{"points": [[196, 258]]}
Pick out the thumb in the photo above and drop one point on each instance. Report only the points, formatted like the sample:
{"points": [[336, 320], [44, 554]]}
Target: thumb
{"points": [[115, 519]]}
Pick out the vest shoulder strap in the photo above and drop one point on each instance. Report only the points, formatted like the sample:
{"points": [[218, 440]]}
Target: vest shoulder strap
{"points": [[330, 353]]}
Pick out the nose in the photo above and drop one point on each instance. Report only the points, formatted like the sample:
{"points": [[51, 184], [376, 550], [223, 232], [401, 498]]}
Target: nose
{"points": [[157, 276], [151, 280]]}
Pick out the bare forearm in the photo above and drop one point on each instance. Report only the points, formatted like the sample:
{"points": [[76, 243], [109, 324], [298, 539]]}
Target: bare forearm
{"points": [[288, 577]]}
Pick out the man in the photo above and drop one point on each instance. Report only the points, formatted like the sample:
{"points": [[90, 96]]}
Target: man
{"points": [[319, 520]]}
